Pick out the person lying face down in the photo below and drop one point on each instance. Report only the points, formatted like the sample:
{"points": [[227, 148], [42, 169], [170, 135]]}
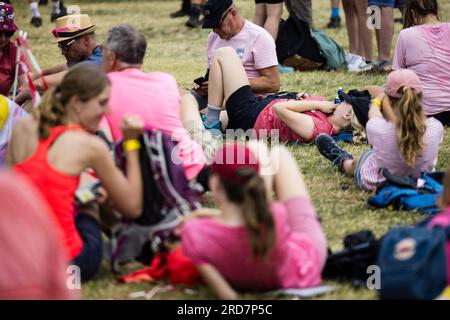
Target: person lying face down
{"points": [[300, 118]]}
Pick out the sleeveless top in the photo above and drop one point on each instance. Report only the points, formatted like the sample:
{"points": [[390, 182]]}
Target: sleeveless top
{"points": [[57, 188]]}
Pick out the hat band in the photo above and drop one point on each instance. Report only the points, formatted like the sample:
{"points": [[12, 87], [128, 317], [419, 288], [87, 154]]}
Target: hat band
{"points": [[62, 33]]}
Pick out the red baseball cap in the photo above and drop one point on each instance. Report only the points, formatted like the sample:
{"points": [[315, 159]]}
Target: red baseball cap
{"points": [[7, 17], [232, 157]]}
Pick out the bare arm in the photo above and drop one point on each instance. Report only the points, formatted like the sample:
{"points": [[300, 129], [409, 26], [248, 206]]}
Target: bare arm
{"points": [[269, 81], [217, 282], [288, 178], [52, 70], [125, 192], [51, 80]]}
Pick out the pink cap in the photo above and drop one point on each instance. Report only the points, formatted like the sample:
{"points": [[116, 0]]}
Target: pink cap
{"points": [[400, 79], [232, 157]]}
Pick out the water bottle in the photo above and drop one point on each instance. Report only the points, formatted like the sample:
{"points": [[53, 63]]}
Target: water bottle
{"points": [[338, 100]]}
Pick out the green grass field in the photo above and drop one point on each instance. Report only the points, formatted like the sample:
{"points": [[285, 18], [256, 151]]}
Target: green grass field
{"points": [[175, 49]]}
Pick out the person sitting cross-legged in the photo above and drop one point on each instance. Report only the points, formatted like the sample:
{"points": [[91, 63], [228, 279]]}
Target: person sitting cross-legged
{"points": [[402, 139]]}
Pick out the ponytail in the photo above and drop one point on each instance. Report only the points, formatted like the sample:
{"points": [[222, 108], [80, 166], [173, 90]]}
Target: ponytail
{"points": [[410, 124], [255, 209], [50, 112]]}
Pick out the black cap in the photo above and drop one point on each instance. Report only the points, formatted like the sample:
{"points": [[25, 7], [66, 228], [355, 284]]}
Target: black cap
{"points": [[360, 101], [213, 11]]}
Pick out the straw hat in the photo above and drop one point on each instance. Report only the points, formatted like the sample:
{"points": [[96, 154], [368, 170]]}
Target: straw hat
{"points": [[73, 26]]}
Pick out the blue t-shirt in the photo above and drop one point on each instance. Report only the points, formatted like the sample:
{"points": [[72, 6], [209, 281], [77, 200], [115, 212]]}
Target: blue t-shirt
{"points": [[95, 57]]}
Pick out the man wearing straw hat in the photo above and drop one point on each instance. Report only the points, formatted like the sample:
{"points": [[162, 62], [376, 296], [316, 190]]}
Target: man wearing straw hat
{"points": [[75, 36]]}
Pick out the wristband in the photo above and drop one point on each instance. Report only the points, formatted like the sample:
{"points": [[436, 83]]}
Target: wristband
{"points": [[377, 102], [131, 145]]}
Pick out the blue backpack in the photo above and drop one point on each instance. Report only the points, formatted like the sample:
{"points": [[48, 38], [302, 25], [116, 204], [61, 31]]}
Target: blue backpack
{"points": [[406, 193], [413, 262]]}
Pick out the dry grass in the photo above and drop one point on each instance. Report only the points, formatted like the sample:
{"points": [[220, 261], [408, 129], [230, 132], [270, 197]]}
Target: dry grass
{"points": [[175, 49]]}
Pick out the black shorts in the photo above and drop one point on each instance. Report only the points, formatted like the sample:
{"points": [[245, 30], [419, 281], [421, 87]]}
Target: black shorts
{"points": [[443, 117], [243, 108], [269, 1]]}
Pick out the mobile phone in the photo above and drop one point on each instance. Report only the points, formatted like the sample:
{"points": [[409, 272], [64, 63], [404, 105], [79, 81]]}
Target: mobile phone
{"points": [[199, 81], [87, 193]]}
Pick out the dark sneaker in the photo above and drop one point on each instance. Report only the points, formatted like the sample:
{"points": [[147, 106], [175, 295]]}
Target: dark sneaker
{"points": [[382, 67], [194, 17], [330, 150], [335, 23], [36, 21], [62, 13], [179, 13]]}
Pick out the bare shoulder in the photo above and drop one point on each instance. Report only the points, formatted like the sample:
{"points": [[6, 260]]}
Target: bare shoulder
{"points": [[26, 126]]}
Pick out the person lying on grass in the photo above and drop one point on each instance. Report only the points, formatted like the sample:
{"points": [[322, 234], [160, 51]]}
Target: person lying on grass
{"points": [[403, 140], [56, 145], [252, 243], [300, 118]]}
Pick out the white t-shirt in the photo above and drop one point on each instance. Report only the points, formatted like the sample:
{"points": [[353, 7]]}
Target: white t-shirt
{"points": [[253, 44]]}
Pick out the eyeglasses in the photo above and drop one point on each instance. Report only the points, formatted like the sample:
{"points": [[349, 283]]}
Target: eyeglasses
{"points": [[66, 46], [224, 17]]}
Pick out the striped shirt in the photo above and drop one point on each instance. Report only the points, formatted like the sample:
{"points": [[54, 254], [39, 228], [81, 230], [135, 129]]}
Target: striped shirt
{"points": [[382, 136]]}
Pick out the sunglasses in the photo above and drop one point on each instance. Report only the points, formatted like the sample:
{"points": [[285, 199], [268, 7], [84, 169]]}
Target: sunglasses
{"points": [[65, 46]]}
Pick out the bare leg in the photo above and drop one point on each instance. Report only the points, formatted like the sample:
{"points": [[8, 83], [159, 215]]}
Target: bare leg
{"points": [[192, 122], [351, 21], [350, 166], [385, 34], [226, 75], [260, 14], [364, 33], [274, 12]]}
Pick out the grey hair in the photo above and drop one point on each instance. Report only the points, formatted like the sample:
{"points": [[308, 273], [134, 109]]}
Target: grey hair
{"points": [[128, 43]]}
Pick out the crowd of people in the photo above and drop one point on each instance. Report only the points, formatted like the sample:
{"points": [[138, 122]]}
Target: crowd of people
{"points": [[265, 217]]}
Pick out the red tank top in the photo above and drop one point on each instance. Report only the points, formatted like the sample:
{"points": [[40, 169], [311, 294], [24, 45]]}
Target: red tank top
{"points": [[58, 188]]}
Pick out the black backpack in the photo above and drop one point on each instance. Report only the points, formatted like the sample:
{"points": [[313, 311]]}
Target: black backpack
{"points": [[294, 38], [350, 264]]}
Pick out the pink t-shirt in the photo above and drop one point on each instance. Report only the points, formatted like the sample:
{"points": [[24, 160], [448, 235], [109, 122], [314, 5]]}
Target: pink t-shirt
{"points": [[254, 46], [155, 98], [296, 260], [269, 121], [382, 135], [425, 49]]}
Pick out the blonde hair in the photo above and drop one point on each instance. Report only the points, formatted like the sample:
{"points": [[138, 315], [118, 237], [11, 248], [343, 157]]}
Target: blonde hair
{"points": [[359, 133], [410, 125], [84, 81]]}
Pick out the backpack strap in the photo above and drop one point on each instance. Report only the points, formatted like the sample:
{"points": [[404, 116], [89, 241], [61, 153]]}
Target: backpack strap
{"points": [[407, 182]]}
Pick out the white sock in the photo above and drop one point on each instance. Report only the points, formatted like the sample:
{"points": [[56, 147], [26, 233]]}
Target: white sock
{"points": [[34, 9], [56, 7], [213, 114]]}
